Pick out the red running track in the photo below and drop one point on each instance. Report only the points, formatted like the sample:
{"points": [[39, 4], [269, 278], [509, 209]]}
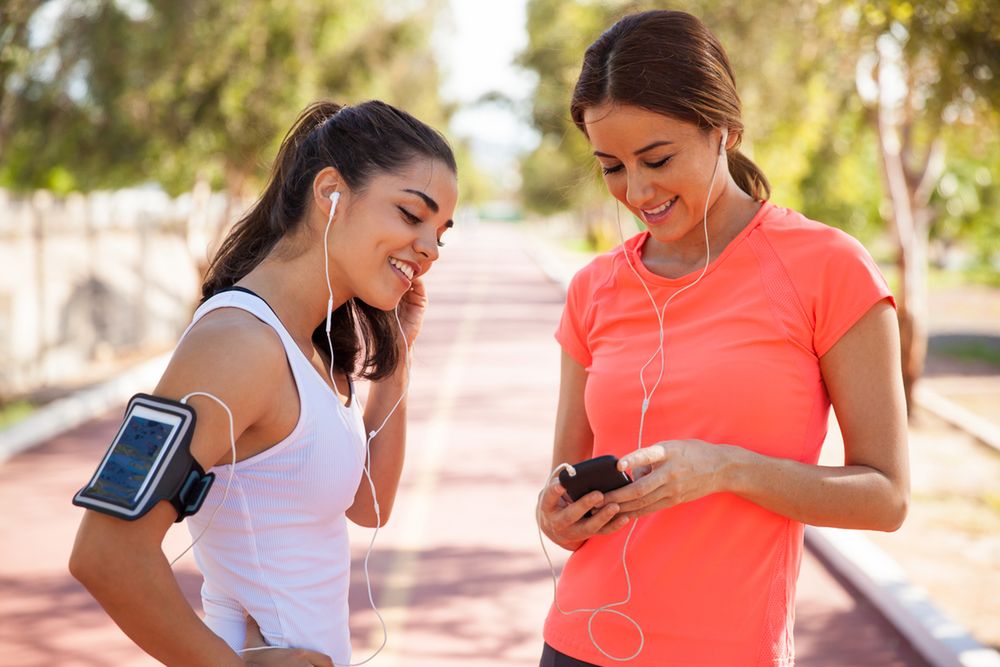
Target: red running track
{"points": [[458, 572]]}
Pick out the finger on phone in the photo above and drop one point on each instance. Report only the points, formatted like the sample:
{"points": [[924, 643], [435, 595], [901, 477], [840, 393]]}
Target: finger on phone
{"points": [[551, 496], [578, 510], [617, 523], [601, 518], [642, 457]]}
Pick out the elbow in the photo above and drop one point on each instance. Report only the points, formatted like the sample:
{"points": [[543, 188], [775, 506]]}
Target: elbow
{"points": [[371, 518], [85, 564], [383, 516], [94, 559], [896, 511]]}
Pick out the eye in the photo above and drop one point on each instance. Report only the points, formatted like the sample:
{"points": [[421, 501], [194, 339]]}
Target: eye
{"points": [[440, 243], [611, 170], [409, 217], [660, 163]]}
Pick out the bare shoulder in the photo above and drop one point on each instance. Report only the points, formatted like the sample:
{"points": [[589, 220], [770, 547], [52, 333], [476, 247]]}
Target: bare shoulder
{"points": [[228, 351]]}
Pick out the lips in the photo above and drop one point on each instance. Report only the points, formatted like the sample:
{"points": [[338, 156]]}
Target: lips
{"points": [[659, 214], [408, 269]]}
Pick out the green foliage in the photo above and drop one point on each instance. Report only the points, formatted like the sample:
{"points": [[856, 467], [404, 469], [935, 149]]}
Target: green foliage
{"points": [[558, 33], [204, 87], [11, 413]]}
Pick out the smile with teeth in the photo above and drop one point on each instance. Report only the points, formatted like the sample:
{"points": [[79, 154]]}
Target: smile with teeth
{"points": [[662, 208], [403, 267]]}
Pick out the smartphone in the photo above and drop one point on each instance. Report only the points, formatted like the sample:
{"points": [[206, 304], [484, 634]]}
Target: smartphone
{"points": [[600, 473]]}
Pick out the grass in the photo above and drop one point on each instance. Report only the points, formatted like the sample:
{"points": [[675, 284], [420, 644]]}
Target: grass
{"points": [[11, 413], [970, 350], [983, 276]]}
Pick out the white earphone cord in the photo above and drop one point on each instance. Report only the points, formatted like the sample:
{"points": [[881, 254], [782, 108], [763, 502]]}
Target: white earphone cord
{"points": [[334, 197], [647, 396]]}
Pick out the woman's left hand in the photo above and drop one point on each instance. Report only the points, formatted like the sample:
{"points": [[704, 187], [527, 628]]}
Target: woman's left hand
{"points": [[411, 310], [669, 473]]}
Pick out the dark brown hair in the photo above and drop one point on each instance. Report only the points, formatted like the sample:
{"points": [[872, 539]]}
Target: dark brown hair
{"points": [[668, 62], [359, 141]]}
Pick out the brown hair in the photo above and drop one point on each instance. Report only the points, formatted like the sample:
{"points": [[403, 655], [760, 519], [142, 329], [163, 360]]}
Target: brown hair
{"points": [[360, 141], [668, 62]]}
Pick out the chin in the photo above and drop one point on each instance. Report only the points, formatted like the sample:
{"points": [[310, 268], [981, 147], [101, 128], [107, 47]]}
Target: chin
{"points": [[382, 301]]}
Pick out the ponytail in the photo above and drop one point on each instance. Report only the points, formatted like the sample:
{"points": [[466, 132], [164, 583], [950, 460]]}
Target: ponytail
{"points": [[359, 142], [748, 176], [275, 213]]}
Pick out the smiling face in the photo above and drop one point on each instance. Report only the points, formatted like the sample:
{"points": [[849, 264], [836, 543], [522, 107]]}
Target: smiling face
{"points": [[659, 167], [389, 233]]}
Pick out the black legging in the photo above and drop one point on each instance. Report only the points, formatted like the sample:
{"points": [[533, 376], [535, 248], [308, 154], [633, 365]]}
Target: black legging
{"points": [[553, 658]]}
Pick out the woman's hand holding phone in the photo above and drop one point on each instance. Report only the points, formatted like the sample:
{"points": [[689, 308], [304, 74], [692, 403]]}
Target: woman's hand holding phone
{"points": [[570, 519], [672, 472]]}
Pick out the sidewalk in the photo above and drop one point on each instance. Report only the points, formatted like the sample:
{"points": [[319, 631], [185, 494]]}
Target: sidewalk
{"points": [[458, 572]]}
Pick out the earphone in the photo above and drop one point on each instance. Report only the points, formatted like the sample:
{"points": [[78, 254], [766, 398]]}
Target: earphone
{"points": [[646, 399], [334, 198]]}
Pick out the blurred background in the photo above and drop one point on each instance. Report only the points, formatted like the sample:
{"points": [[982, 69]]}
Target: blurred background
{"points": [[134, 132]]}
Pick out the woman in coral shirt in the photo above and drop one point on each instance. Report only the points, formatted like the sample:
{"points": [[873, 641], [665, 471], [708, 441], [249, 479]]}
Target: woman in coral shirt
{"points": [[709, 375]]}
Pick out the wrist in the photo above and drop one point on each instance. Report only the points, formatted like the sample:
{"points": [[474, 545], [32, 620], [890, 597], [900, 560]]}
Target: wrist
{"points": [[736, 469]]}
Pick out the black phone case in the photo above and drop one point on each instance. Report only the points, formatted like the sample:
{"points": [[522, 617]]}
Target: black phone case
{"points": [[597, 474]]}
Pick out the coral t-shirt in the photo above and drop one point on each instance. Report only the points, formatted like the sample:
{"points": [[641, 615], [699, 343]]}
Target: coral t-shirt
{"points": [[714, 579]]}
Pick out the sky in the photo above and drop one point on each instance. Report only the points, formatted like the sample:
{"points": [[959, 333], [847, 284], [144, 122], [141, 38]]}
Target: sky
{"points": [[476, 52]]}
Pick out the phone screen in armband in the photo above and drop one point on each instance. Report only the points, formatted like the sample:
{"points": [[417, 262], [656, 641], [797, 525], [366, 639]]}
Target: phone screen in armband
{"points": [[148, 461]]}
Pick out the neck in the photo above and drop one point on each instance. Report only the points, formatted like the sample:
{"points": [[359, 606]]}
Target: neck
{"points": [[295, 287]]}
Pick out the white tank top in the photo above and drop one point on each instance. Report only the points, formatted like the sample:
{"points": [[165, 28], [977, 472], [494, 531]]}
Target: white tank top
{"points": [[278, 547]]}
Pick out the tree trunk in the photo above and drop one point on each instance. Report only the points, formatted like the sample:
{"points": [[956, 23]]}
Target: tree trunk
{"points": [[909, 192]]}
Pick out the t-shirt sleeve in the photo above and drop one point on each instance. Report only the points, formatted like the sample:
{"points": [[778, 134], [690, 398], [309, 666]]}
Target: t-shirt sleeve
{"points": [[572, 331], [849, 284]]}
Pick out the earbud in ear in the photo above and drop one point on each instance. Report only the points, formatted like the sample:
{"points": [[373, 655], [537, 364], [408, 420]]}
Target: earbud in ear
{"points": [[722, 144], [334, 198]]}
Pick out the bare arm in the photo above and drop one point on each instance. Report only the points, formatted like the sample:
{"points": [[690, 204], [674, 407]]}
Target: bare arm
{"points": [[871, 491], [387, 451], [388, 448], [121, 562], [564, 522]]}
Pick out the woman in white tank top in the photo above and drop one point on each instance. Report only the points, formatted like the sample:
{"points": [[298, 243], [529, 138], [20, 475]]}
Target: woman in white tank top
{"points": [[298, 300]]}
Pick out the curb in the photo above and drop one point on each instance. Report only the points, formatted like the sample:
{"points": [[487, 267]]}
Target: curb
{"points": [[66, 413], [941, 641]]}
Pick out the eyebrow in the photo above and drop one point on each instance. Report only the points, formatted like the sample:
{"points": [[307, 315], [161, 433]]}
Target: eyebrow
{"points": [[431, 204], [642, 150]]}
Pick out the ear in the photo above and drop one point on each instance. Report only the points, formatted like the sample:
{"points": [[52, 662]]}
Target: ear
{"points": [[326, 183], [732, 139]]}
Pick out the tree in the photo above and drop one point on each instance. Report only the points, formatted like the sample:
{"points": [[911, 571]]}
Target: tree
{"points": [[923, 67], [167, 91], [14, 53]]}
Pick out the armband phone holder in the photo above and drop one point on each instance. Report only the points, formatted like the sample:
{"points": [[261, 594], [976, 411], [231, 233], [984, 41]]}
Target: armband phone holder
{"points": [[148, 461]]}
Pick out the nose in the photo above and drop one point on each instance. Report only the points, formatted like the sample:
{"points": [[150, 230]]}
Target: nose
{"points": [[640, 190], [426, 243]]}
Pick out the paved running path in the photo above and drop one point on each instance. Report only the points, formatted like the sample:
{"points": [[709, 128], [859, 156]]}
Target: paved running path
{"points": [[458, 572]]}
